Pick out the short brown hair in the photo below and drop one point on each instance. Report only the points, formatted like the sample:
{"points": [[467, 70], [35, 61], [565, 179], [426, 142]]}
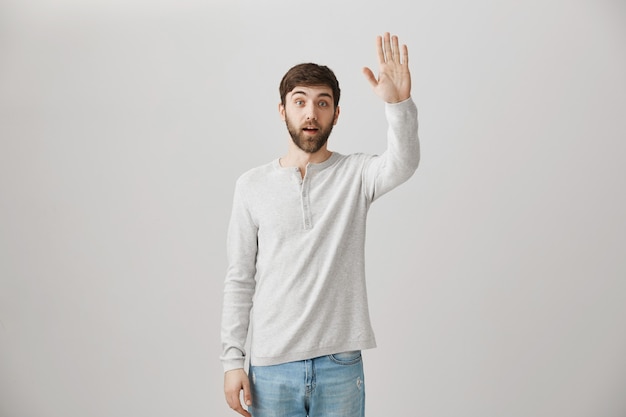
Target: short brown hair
{"points": [[309, 74]]}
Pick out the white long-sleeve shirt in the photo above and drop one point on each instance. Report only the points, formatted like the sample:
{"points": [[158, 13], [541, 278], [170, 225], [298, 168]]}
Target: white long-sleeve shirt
{"points": [[296, 251]]}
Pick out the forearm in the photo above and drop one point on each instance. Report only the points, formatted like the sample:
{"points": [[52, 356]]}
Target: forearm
{"points": [[401, 158], [403, 148], [236, 308]]}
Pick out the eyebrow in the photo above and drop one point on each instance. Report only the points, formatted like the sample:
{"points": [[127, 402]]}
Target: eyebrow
{"points": [[304, 94]]}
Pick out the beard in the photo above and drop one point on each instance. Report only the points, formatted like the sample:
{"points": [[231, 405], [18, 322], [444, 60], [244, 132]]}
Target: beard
{"points": [[309, 143]]}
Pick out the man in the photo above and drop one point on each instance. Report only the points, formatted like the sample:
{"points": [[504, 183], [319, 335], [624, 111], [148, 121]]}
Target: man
{"points": [[296, 244]]}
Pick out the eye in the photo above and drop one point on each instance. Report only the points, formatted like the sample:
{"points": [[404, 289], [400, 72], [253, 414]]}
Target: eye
{"points": [[323, 104], [299, 102]]}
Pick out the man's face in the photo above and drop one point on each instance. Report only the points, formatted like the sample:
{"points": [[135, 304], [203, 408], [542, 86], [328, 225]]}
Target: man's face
{"points": [[310, 116]]}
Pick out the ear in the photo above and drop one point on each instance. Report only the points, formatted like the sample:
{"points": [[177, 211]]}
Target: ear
{"points": [[336, 116], [281, 111]]}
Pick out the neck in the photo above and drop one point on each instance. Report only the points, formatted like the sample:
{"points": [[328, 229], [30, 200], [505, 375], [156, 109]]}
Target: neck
{"points": [[296, 157]]}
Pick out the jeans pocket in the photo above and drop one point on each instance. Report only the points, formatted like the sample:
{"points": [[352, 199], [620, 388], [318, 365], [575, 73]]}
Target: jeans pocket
{"points": [[346, 358]]}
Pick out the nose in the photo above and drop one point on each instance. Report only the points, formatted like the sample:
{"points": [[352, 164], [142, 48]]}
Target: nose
{"points": [[311, 114]]}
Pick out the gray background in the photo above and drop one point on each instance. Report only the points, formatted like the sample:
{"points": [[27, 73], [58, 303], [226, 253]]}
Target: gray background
{"points": [[497, 274]]}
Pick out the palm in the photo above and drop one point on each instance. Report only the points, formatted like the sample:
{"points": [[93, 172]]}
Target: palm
{"points": [[393, 83]]}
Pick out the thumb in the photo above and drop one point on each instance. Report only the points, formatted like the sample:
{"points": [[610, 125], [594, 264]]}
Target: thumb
{"points": [[369, 75], [247, 394]]}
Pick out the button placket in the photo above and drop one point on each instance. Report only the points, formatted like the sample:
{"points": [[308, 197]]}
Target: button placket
{"points": [[306, 204]]}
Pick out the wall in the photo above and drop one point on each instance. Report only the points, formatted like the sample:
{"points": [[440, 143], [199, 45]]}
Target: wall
{"points": [[496, 274]]}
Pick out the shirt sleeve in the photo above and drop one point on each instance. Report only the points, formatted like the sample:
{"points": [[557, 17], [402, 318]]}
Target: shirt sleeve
{"points": [[239, 284], [400, 160]]}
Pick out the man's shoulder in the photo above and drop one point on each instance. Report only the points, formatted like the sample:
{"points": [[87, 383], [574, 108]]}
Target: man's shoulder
{"points": [[356, 159], [256, 174]]}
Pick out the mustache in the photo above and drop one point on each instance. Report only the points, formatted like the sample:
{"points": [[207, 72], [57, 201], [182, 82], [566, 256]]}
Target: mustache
{"points": [[311, 124]]}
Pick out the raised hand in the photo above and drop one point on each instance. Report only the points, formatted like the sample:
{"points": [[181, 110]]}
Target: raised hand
{"points": [[394, 79]]}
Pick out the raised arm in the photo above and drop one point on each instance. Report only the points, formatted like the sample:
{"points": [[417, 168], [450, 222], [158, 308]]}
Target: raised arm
{"points": [[393, 84]]}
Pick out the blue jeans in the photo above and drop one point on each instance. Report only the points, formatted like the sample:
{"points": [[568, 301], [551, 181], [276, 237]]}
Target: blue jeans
{"points": [[328, 386]]}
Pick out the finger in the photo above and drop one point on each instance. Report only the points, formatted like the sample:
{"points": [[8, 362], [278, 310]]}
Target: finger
{"points": [[369, 75], [387, 47], [235, 405], [405, 55], [232, 399], [395, 50], [379, 49], [243, 412]]}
